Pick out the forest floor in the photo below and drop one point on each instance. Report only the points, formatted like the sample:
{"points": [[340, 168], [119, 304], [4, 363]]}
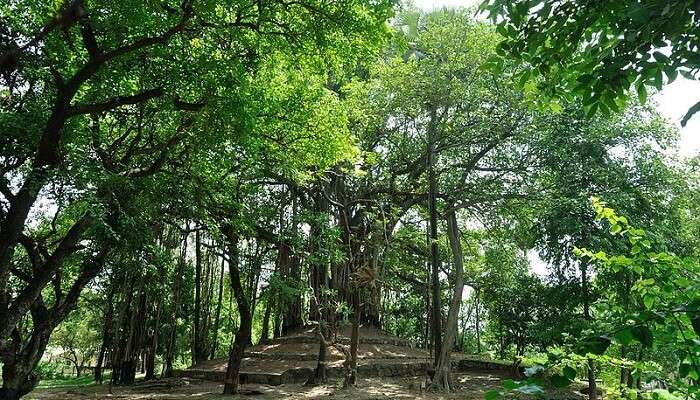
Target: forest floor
{"points": [[471, 386]]}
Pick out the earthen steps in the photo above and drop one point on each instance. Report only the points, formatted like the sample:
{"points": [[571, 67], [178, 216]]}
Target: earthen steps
{"points": [[292, 359]]}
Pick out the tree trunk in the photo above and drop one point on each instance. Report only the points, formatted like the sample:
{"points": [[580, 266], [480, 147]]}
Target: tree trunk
{"points": [[351, 374], [592, 390], [290, 267], [106, 332], [150, 366], [215, 341], [20, 359], [320, 373], [265, 332], [434, 253], [243, 336], [319, 304], [177, 287], [18, 377], [442, 378], [197, 347], [478, 323], [133, 340], [122, 327]]}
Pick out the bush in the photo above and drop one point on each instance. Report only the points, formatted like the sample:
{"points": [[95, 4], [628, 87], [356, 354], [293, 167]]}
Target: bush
{"points": [[48, 370]]}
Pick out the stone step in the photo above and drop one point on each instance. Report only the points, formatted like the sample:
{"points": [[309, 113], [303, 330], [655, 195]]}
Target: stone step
{"points": [[342, 339], [301, 375], [260, 355]]}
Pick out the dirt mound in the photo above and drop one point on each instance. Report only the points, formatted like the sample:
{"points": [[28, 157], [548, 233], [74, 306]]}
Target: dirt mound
{"points": [[292, 359]]}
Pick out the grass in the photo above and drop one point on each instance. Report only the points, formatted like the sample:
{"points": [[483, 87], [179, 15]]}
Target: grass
{"points": [[71, 381]]}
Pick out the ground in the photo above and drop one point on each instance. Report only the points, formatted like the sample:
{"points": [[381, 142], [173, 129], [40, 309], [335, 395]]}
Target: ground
{"points": [[471, 386]]}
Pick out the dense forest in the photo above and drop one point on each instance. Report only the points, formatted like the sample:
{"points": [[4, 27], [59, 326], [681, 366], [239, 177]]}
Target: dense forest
{"points": [[184, 179]]}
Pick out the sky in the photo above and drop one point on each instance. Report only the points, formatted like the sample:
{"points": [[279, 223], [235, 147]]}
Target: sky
{"points": [[672, 102]]}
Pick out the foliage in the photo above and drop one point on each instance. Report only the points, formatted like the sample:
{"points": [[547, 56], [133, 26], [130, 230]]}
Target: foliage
{"points": [[597, 50]]}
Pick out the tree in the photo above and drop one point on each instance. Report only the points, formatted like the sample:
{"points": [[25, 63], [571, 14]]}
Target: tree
{"points": [[598, 51]]}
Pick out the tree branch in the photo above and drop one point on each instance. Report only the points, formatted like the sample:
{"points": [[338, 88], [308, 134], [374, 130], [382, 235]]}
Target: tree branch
{"points": [[115, 102]]}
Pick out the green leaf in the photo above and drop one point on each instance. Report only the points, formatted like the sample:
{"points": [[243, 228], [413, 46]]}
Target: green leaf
{"points": [[684, 369], [695, 320], [649, 300], [643, 335], [638, 13], [687, 74], [590, 112], [585, 79], [559, 381], [624, 337], [594, 345], [671, 73], [569, 373], [663, 394], [658, 80], [492, 395], [661, 57], [642, 92], [510, 384]]}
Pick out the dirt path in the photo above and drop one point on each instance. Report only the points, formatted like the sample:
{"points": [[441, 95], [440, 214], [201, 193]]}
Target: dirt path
{"points": [[471, 386]]}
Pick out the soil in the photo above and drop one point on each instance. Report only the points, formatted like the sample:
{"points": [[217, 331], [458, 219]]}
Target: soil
{"points": [[471, 386]]}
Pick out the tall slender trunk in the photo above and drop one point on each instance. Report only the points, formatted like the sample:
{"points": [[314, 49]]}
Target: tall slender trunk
{"points": [[434, 252], [442, 378], [592, 390], [478, 323], [122, 328], [265, 331], [215, 341], [133, 339], [243, 336], [106, 331], [150, 362], [177, 288], [351, 376], [197, 350], [321, 309]]}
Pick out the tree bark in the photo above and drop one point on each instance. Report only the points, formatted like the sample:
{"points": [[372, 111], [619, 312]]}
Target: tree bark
{"points": [[215, 341], [177, 288], [106, 332], [20, 358], [150, 366], [265, 332], [351, 374], [442, 378], [197, 346], [434, 253], [243, 336], [592, 389]]}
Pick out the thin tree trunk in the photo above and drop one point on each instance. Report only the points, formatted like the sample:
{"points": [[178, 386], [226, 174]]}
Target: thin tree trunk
{"points": [[442, 378], [478, 324], [351, 375], [592, 390], [265, 332], [215, 342], [131, 350], [177, 287], [106, 331], [197, 350], [434, 252], [150, 366], [243, 336]]}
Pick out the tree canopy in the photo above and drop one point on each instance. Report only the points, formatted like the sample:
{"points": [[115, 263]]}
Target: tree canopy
{"points": [[183, 180]]}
